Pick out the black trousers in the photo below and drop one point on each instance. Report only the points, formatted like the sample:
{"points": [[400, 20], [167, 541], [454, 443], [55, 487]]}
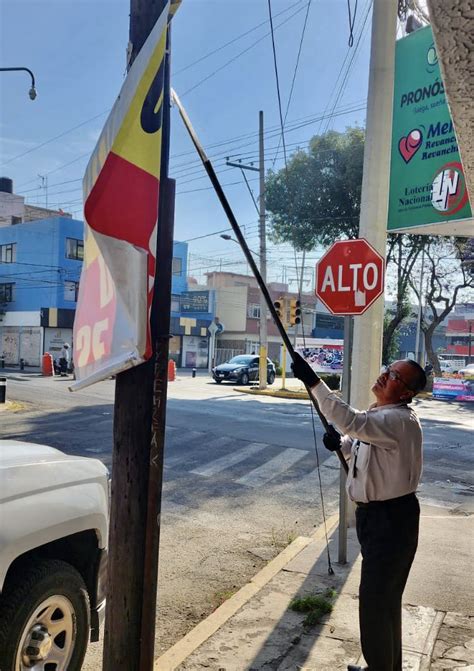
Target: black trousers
{"points": [[388, 536]]}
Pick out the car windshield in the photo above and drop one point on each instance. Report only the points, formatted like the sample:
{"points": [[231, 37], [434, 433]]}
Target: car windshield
{"points": [[242, 360]]}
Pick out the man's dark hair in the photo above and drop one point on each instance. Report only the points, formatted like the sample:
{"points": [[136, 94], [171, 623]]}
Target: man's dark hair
{"points": [[419, 379]]}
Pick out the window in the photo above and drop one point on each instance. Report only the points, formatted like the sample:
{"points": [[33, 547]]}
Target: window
{"points": [[7, 293], [16, 220], [253, 311], [8, 253], [177, 267], [74, 249], [175, 304], [71, 290]]}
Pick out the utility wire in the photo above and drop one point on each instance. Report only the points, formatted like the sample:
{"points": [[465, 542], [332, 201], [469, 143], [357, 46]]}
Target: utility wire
{"points": [[57, 137], [241, 53], [351, 21], [275, 65], [294, 76], [235, 39]]}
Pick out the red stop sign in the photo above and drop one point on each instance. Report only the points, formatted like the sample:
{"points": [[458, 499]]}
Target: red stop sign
{"points": [[349, 277]]}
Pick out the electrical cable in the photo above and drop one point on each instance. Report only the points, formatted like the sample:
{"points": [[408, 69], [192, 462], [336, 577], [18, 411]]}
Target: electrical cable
{"points": [[57, 137], [275, 65], [249, 189], [294, 76], [330, 569], [351, 22], [234, 58], [345, 78], [235, 39]]}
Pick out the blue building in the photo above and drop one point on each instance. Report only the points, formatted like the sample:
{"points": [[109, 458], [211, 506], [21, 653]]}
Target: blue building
{"points": [[41, 265]]}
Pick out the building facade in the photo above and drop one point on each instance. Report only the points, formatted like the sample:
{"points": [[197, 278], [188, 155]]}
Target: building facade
{"points": [[40, 263]]}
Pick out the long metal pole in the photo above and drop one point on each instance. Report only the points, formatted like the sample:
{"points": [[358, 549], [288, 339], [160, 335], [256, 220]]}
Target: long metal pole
{"points": [[262, 376], [367, 348], [248, 255], [346, 395]]}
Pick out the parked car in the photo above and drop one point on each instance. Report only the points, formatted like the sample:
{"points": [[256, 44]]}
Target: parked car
{"points": [[242, 369], [467, 371], [53, 556]]}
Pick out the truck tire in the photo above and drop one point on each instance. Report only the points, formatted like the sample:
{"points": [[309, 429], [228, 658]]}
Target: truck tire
{"points": [[44, 618]]}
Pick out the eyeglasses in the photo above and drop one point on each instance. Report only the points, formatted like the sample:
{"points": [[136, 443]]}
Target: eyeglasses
{"points": [[393, 375]]}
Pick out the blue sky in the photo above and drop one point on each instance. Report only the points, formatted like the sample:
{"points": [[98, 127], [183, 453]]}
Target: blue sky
{"points": [[76, 49]]}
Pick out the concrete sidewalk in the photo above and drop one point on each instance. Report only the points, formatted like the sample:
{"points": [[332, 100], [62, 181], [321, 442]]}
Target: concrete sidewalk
{"points": [[255, 629]]}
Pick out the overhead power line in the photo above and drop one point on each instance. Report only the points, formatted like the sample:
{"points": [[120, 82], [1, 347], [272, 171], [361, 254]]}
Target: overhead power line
{"points": [[56, 137], [234, 58], [235, 39]]}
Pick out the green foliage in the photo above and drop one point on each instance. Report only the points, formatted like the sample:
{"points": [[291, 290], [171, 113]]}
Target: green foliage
{"points": [[315, 606], [391, 339], [317, 200], [331, 379], [278, 368]]}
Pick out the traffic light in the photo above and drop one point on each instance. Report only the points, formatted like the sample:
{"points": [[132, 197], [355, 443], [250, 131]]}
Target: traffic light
{"points": [[295, 311], [280, 309]]}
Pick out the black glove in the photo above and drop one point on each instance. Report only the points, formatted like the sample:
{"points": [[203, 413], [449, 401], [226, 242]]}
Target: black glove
{"points": [[303, 371], [332, 439]]}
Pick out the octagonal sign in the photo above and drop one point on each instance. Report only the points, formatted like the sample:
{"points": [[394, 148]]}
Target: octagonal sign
{"points": [[350, 277]]}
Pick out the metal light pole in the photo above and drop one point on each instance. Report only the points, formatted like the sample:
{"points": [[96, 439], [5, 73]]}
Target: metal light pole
{"points": [[32, 92], [367, 348]]}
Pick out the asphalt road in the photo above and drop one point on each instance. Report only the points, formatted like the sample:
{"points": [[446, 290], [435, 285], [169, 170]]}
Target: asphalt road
{"points": [[241, 476]]}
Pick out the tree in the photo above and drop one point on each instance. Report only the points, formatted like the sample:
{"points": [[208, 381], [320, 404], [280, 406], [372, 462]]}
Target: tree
{"points": [[316, 199], [402, 254], [447, 276]]}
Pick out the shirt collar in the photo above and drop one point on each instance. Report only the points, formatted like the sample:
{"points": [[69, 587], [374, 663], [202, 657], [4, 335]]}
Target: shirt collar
{"points": [[373, 407]]}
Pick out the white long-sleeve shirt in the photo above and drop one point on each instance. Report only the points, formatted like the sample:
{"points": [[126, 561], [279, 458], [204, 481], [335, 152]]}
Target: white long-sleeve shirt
{"points": [[383, 444]]}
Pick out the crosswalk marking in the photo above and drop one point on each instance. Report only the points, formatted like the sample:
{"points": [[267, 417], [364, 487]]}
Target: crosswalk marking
{"points": [[329, 473], [218, 465], [171, 462], [273, 467], [218, 442]]}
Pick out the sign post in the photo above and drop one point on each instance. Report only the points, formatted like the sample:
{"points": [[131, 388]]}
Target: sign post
{"points": [[214, 328], [349, 278]]}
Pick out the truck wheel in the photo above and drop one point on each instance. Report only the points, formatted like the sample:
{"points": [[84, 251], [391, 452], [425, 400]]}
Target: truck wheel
{"points": [[271, 378], [44, 619]]}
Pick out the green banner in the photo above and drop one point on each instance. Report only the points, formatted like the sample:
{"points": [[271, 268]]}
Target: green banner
{"points": [[427, 184]]}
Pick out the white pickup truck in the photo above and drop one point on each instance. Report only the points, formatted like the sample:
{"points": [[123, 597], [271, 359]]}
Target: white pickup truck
{"points": [[53, 556]]}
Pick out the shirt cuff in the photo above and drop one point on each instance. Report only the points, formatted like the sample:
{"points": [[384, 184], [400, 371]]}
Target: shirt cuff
{"points": [[321, 391]]}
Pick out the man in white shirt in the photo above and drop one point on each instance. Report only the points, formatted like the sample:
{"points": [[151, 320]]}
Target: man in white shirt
{"points": [[384, 447], [64, 358]]}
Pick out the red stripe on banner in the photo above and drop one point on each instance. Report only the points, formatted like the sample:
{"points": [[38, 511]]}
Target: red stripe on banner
{"points": [[123, 202]]}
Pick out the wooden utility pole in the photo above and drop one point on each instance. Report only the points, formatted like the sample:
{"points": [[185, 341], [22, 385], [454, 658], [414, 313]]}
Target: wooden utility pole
{"points": [[139, 428]]}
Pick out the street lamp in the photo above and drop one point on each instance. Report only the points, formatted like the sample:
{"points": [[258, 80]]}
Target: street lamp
{"points": [[32, 92], [225, 236]]}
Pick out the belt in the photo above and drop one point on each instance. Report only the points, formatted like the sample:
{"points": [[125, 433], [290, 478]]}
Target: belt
{"points": [[387, 502]]}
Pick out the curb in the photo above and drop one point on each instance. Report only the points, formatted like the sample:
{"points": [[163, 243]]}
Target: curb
{"points": [[181, 650], [278, 393]]}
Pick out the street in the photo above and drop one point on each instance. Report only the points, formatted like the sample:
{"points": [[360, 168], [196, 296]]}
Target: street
{"points": [[241, 477]]}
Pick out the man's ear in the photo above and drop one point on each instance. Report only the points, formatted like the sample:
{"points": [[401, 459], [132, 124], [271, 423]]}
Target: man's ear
{"points": [[407, 396]]}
